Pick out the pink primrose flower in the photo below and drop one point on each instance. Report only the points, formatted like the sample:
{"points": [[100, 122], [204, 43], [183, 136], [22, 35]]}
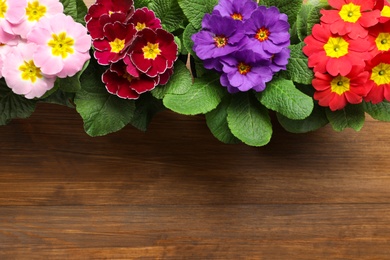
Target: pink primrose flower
{"points": [[34, 11], [22, 75], [63, 45]]}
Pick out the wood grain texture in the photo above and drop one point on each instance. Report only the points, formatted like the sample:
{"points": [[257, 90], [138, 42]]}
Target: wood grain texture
{"points": [[175, 192]]}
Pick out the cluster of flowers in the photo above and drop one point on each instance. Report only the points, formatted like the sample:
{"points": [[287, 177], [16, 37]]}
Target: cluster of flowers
{"points": [[38, 44], [349, 51], [246, 43], [139, 53]]}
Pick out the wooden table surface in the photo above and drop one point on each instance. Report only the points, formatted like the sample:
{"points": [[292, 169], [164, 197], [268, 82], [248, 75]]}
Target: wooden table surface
{"points": [[175, 192]]}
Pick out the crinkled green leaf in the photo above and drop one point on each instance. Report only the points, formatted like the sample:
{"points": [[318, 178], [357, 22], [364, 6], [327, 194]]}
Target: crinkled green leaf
{"points": [[169, 12], [316, 120], [102, 112], [141, 3], [187, 41], [352, 116], [282, 96], [248, 120], [194, 10], [179, 83], [289, 7], [71, 84], [145, 108], [380, 111], [60, 97], [297, 68], [217, 122], [13, 105], [75, 8], [314, 15], [203, 96]]}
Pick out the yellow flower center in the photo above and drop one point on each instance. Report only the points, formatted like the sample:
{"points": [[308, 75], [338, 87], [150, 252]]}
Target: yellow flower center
{"points": [[3, 8], [61, 45], [381, 74], [30, 71], [117, 45], [336, 47], [383, 41], [140, 26], [220, 41], [236, 16], [262, 34], [128, 77], [243, 68], [340, 85], [151, 51], [385, 11], [35, 11], [350, 13]]}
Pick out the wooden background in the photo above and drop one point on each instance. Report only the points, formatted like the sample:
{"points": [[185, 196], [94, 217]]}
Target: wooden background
{"points": [[175, 192]]}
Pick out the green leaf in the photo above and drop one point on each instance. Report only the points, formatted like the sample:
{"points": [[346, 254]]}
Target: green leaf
{"points": [[145, 108], [169, 12], [282, 96], [380, 111], [314, 15], [217, 122], [102, 112], [248, 120], [71, 84], [60, 97], [203, 96], [352, 116], [289, 7], [196, 9], [179, 83], [141, 3], [75, 8], [316, 120], [187, 41], [297, 67], [301, 24], [13, 105]]}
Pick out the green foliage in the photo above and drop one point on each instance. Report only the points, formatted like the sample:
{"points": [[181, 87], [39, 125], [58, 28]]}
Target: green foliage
{"points": [[169, 12], [75, 8], [179, 83], [196, 9], [289, 7], [203, 96], [380, 111], [352, 116], [217, 122], [145, 108], [297, 68], [248, 120], [101, 111], [316, 120], [141, 3], [282, 96], [13, 105]]}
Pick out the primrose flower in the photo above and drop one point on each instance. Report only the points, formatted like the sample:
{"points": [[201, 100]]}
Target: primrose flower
{"points": [[237, 10], [267, 31], [379, 80], [244, 71], [333, 53], [379, 35], [126, 81], [145, 18], [63, 45], [219, 36], [114, 45], [11, 13], [385, 13], [153, 51], [34, 11], [107, 11], [22, 75], [351, 17], [336, 92]]}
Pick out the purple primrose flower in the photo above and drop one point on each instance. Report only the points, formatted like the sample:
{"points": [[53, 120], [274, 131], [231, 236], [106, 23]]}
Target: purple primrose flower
{"points": [[245, 71], [238, 10], [267, 31]]}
